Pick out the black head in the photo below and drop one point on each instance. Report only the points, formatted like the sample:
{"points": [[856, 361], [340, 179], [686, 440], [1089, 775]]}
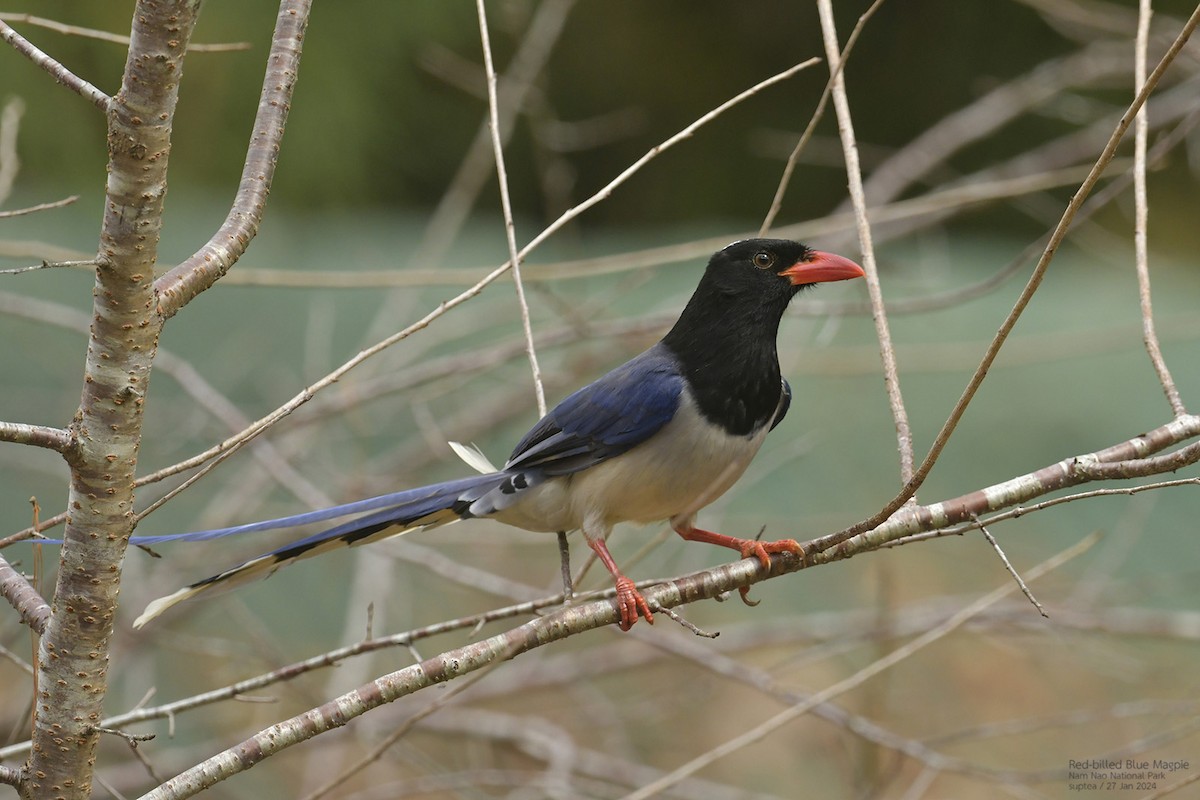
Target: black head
{"points": [[774, 269], [725, 337]]}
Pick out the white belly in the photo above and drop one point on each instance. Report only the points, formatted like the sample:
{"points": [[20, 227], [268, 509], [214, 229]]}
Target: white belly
{"points": [[672, 475]]}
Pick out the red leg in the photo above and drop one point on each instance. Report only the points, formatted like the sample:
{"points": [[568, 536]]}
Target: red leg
{"points": [[747, 547], [629, 599]]}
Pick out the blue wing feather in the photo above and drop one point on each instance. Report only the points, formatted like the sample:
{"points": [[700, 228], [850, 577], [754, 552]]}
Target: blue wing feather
{"points": [[604, 418]]}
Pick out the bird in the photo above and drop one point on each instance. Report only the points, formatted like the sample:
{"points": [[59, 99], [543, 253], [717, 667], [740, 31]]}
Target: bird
{"points": [[658, 438]]}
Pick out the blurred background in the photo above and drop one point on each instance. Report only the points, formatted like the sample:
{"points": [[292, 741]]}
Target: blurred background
{"points": [[975, 123]]}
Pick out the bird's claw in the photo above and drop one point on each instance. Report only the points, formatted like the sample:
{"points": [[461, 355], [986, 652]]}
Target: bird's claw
{"points": [[744, 591], [762, 551], [631, 604]]}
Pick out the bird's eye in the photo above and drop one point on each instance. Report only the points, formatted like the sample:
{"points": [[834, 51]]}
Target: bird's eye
{"points": [[763, 260]]}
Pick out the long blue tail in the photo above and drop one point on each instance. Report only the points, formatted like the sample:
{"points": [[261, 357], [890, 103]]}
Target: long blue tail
{"points": [[397, 513]]}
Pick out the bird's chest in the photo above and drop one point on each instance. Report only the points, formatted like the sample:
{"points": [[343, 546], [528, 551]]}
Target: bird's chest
{"points": [[684, 467]]}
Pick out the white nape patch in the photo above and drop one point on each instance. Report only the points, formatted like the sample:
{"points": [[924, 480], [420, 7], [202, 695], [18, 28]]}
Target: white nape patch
{"points": [[474, 457]]}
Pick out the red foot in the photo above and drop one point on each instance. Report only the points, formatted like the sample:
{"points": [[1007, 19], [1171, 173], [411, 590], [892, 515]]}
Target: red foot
{"points": [[747, 547], [762, 550], [631, 603]]}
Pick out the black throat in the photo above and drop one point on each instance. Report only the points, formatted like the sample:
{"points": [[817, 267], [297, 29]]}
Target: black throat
{"points": [[725, 343]]}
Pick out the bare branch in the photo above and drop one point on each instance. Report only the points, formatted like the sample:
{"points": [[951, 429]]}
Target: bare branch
{"points": [[56, 439], [184, 282], [49, 265], [1141, 215], [20, 212], [1139, 467], [1008, 566], [510, 232], [10, 776], [60, 73], [887, 353], [1035, 280], [34, 610], [106, 36], [1021, 511]]}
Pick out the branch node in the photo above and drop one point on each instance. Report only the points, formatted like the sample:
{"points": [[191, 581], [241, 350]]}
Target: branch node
{"points": [[132, 739], [691, 626]]}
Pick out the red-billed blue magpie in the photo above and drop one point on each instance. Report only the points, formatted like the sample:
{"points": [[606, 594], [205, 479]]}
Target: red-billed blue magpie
{"points": [[659, 437]]}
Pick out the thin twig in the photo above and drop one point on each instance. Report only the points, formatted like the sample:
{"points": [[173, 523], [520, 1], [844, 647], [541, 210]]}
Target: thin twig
{"points": [[790, 166], [1141, 214], [106, 36], [506, 206], [891, 376], [858, 678], [1008, 566], [60, 73], [91, 262], [1031, 287], [131, 738], [20, 212], [685, 623], [145, 762]]}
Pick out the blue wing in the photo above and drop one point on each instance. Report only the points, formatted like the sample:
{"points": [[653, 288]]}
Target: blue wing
{"points": [[604, 418]]}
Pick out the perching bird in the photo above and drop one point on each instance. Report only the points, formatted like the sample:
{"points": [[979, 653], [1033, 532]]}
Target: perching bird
{"points": [[659, 437]]}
